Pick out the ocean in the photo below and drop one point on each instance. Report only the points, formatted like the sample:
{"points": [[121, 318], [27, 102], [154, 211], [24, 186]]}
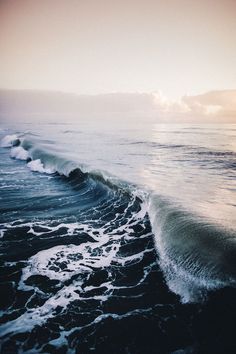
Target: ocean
{"points": [[117, 237]]}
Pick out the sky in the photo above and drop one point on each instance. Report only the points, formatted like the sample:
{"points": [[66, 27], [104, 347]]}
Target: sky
{"points": [[173, 48]]}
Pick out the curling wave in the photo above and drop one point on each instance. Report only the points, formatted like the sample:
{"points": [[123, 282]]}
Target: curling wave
{"points": [[195, 256]]}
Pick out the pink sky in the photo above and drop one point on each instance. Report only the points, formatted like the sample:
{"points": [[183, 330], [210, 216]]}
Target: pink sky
{"points": [[177, 47]]}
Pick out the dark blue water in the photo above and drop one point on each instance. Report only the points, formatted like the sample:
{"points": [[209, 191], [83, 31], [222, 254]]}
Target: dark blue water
{"points": [[118, 239]]}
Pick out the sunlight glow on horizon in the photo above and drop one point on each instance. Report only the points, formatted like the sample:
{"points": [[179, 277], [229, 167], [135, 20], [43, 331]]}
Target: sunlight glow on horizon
{"points": [[93, 47]]}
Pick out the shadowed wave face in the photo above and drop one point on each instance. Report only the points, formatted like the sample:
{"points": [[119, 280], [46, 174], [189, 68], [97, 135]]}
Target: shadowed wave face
{"points": [[195, 256], [92, 262]]}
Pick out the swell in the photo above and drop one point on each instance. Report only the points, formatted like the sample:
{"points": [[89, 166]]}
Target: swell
{"points": [[195, 256]]}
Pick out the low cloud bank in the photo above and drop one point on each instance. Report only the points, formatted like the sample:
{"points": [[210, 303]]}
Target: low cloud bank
{"points": [[213, 106]]}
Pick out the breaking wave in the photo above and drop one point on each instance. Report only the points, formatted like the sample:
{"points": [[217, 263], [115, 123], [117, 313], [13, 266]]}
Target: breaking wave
{"points": [[98, 232], [195, 256]]}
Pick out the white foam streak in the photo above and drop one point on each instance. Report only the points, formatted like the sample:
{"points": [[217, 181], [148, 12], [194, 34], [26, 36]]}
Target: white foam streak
{"points": [[63, 263], [78, 259]]}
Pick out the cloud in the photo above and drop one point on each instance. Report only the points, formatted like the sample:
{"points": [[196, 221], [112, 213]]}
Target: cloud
{"points": [[214, 106], [29, 105]]}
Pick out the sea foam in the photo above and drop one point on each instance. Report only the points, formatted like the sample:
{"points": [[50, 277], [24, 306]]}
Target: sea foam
{"points": [[19, 153], [37, 166]]}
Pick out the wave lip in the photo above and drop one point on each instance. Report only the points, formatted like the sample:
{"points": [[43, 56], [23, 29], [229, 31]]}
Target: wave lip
{"points": [[195, 256]]}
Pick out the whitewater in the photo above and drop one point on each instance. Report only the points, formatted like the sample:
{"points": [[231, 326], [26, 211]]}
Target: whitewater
{"points": [[117, 238]]}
